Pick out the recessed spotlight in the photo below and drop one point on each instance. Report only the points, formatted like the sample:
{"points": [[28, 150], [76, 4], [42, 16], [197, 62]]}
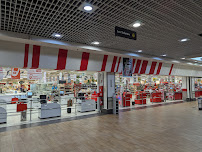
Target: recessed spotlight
{"points": [[164, 55], [88, 8], [57, 35], [182, 58], [184, 40], [137, 24], [139, 51], [95, 43]]}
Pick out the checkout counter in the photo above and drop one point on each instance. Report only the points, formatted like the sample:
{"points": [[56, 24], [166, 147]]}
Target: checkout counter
{"points": [[48, 110], [84, 105]]}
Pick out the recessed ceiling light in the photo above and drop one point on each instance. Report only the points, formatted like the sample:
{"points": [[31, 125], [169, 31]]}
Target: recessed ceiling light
{"points": [[57, 35], [182, 58], [137, 24], [95, 43], [184, 40], [139, 51], [88, 8], [164, 55]]}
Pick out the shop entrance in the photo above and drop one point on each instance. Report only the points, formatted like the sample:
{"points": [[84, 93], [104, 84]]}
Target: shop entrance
{"points": [[35, 95], [146, 90]]}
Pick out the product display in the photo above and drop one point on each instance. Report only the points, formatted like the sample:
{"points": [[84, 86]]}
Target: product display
{"points": [[52, 93], [147, 89]]}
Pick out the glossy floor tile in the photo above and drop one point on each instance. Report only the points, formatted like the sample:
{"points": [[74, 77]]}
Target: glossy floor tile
{"points": [[171, 128]]}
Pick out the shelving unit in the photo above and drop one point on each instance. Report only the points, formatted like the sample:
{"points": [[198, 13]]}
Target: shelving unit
{"points": [[67, 88]]}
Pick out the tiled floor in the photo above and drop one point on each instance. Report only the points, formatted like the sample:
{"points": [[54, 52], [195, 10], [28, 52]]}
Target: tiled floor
{"points": [[171, 128]]}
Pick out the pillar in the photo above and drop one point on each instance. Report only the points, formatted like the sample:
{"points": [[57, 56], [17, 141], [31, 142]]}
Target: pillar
{"points": [[188, 88], [109, 91]]}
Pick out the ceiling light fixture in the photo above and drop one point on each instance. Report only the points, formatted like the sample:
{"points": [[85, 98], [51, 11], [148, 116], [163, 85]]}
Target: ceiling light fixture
{"points": [[139, 51], [95, 43], [137, 24], [184, 40], [182, 58], [88, 8], [57, 35], [164, 55]]}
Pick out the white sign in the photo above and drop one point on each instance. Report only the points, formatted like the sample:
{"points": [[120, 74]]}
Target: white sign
{"points": [[44, 77], [34, 74], [1, 73]]}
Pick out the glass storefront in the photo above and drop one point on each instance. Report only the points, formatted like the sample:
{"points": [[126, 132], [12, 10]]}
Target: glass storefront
{"points": [[41, 95], [147, 89]]}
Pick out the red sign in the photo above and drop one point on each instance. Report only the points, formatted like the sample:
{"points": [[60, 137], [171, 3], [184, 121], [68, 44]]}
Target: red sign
{"points": [[15, 73]]}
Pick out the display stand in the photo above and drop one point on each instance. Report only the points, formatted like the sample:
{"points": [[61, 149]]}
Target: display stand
{"points": [[140, 97], [126, 99], [178, 96], [156, 97]]}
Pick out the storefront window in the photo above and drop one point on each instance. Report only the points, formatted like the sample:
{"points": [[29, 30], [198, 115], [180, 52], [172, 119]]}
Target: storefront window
{"points": [[32, 95], [147, 89]]}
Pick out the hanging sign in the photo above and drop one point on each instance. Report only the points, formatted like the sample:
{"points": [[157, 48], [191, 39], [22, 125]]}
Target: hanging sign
{"points": [[127, 67], [125, 33], [34, 74], [15, 73], [1, 73]]}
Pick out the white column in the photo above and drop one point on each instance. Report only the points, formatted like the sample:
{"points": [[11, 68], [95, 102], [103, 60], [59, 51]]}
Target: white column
{"points": [[188, 87]]}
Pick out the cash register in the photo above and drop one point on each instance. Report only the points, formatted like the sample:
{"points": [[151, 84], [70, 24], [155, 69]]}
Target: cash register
{"points": [[43, 99]]}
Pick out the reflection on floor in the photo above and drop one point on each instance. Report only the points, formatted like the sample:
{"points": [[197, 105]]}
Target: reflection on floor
{"points": [[172, 128], [14, 118], [148, 103]]}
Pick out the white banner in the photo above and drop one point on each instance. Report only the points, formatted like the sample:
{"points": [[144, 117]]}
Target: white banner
{"points": [[1, 73], [34, 74]]}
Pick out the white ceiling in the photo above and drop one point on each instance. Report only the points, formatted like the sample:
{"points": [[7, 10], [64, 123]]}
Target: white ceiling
{"points": [[165, 22]]}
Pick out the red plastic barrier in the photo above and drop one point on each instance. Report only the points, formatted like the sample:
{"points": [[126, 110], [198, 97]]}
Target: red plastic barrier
{"points": [[126, 99], [156, 97], [178, 96], [140, 101], [21, 107]]}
